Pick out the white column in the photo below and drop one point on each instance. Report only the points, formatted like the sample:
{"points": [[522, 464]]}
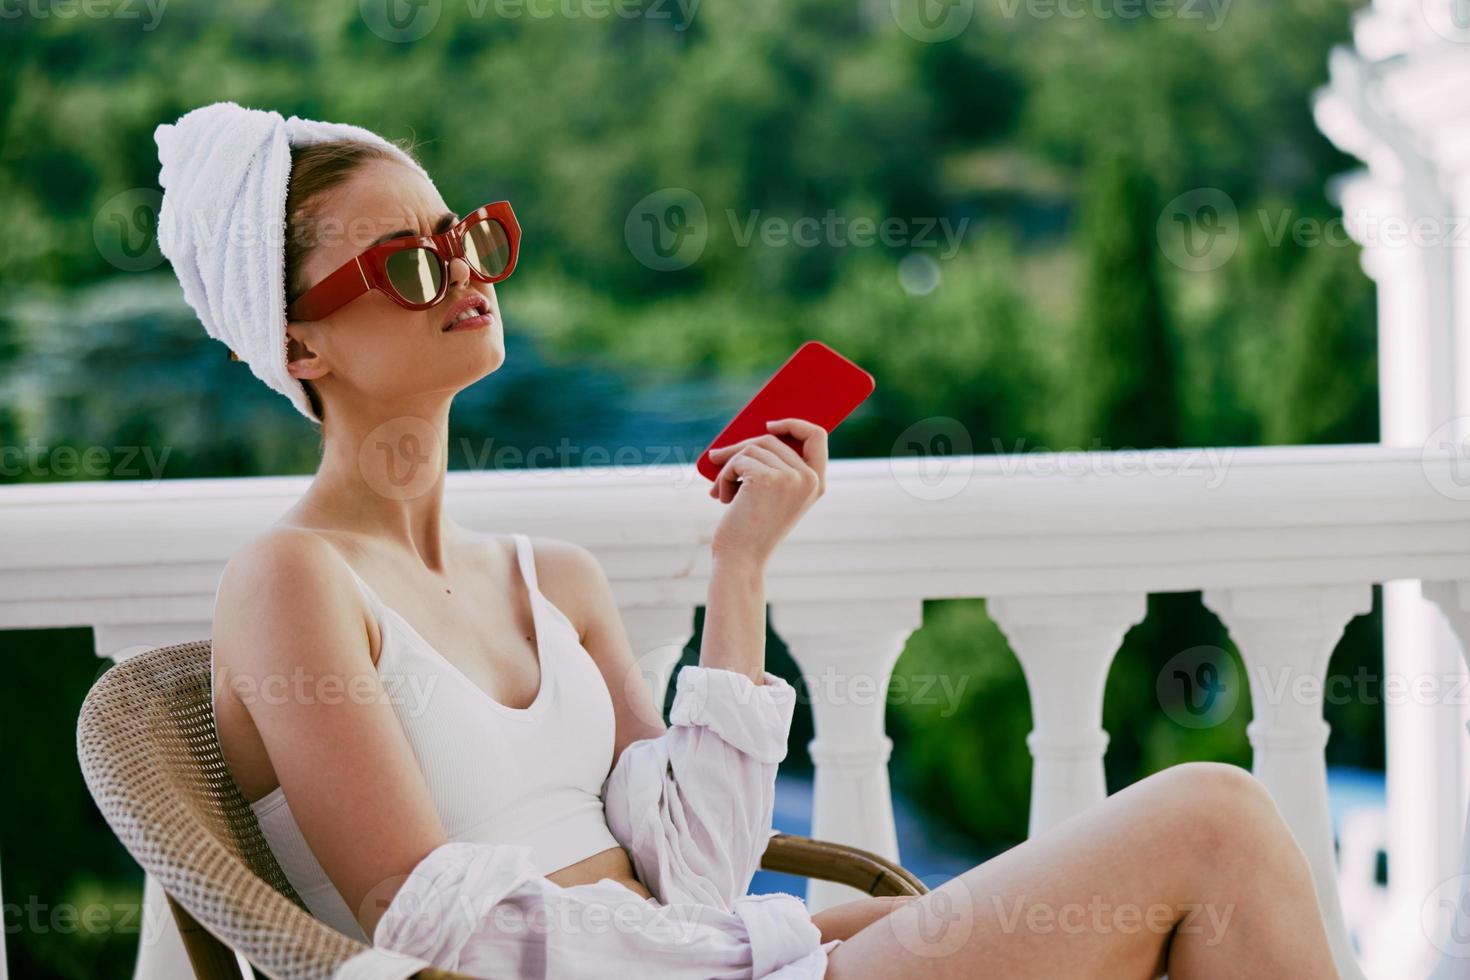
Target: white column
{"points": [[1417, 355], [1286, 637], [1444, 907], [1379, 108], [1065, 645], [846, 652]]}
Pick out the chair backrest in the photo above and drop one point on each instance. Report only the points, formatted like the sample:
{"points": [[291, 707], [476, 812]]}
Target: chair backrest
{"points": [[151, 758]]}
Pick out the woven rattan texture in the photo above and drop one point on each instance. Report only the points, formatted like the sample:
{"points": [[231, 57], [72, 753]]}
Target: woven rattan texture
{"points": [[151, 758]]}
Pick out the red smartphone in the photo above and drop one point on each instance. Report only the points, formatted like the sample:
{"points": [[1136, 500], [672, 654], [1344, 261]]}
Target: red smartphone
{"points": [[816, 383]]}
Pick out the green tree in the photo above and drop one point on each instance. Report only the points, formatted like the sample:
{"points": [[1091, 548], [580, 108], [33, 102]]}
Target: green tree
{"points": [[1327, 389], [1124, 365]]}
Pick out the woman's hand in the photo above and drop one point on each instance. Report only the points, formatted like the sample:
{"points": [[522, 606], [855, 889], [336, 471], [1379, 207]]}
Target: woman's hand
{"points": [[845, 920], [777, 485]]}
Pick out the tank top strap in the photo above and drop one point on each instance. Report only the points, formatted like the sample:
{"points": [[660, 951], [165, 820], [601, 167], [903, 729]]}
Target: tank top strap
{"points": [[527, 559]]}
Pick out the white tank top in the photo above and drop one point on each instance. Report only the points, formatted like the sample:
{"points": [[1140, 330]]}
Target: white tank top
{"points": [[497, 774]]}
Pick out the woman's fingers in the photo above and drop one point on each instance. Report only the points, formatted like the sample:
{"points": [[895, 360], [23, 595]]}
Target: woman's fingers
{"points": [[775, 455], [740, 466], [782, 461], [813, 439], [772, 442], [769, 441]]}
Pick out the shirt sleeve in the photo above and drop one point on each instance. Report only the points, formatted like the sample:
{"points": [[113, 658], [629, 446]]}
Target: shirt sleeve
{"points": [[484, 910], [693, 806]]}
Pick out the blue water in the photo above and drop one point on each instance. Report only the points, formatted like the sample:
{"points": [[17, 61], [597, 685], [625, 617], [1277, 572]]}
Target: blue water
{"points": [[932, 854]]}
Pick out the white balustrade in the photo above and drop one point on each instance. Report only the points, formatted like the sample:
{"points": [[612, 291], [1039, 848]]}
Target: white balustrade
{"points": [[846, 652], [1445, 913], [1283, 542], [1286, 637], [1065, 645]]}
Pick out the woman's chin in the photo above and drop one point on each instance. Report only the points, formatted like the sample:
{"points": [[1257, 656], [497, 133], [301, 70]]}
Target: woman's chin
{"points": [[485, 358]]}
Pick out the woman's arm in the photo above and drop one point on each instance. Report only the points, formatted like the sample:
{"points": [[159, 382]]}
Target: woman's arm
{"points": [[776, 485], [693, 806], [734, 636], [779, 485], [291, 645]]}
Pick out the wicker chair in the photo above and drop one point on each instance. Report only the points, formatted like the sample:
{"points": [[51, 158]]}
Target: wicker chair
{"points": [[151, 758]]}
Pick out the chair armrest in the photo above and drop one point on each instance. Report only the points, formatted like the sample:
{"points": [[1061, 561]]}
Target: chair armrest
{"points": [[841, 863]]}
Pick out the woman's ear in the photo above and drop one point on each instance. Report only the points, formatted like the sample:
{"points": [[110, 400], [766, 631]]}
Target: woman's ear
{"points": [[302, 360]]}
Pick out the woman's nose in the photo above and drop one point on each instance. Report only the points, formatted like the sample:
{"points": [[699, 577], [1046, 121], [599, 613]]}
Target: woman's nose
{"points": [[459, 271]]}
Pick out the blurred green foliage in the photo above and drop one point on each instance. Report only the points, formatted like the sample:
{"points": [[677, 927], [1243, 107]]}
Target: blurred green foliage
{"points": [[1053, 142]]}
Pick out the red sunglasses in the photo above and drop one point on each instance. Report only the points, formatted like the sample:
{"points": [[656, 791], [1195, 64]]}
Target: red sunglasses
{"points": [[414, 272]]}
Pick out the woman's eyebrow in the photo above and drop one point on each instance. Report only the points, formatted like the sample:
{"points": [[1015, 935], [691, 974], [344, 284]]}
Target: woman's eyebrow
{"points": [[446, 220]]}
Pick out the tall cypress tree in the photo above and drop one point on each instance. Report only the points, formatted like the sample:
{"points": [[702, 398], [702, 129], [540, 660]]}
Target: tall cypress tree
{"points": [[1327, 385], [1124, 362]]}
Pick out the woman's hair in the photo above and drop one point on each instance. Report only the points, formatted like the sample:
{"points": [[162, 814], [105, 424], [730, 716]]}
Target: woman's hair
{"points": [[316, 169]]}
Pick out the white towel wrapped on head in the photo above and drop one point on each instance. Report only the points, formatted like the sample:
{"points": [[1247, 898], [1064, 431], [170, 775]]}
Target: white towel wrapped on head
{"points": [[224, 171]]}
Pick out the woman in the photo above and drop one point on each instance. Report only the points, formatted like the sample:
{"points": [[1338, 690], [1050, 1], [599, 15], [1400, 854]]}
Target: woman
{"points": [[534, 776]]}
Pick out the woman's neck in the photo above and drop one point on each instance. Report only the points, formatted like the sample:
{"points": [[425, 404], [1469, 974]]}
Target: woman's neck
{"points": [[383, 475]]}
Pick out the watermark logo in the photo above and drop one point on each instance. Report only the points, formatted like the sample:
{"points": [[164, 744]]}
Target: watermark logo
{"points": [[1445, 917], [918, 274], [933, 21], [943, 458], [937, 924], [400, 21], [644, 683], [1445, 459], [667, 230], [1199, 687], [400, 459], [1450, 19], [1199, 230], [125, 229]]}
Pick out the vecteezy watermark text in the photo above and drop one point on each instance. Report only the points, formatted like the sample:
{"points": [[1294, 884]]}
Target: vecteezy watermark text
{"points": [[90, 9], [837, 231], [669, 229], [1099, 916], [1212, 12], [1076, 462], [406, 21], [39, 461]]}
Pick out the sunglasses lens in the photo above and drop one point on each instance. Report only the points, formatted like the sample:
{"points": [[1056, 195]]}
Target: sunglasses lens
{"points": [[415, 274], [487, 247]]}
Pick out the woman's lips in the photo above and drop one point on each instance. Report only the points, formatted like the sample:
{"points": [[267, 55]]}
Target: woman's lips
{"points": [[470, 323]]}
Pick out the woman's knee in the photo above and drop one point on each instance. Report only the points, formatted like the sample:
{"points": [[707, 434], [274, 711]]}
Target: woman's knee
{"points": [[1224, 809]]}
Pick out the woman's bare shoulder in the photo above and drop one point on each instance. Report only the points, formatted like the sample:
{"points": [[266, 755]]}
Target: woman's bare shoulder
{"points": [[280, 585]]}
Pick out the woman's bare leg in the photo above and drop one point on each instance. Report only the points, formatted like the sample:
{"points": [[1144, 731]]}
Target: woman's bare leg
{"points": [[1192, 870]]}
